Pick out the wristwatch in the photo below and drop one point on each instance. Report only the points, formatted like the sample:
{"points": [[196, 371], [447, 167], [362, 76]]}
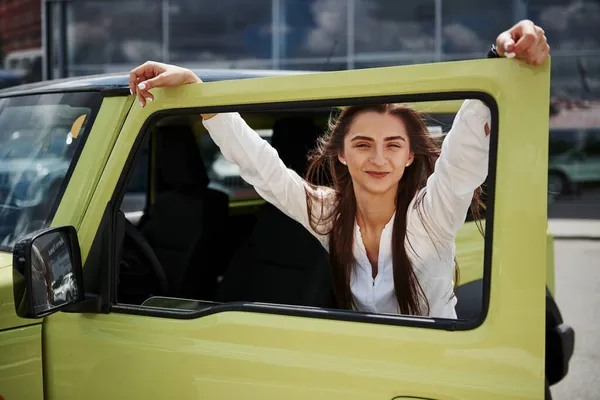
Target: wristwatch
{"points": [[493, 53]]}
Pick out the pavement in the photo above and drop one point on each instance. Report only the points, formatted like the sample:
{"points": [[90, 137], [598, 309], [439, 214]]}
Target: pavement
{"points": [[563, 228], [578, 297], [574, 221], [576, 216]]}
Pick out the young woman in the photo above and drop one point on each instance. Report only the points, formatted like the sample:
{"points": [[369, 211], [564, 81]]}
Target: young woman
{"points": [[396, 202]]}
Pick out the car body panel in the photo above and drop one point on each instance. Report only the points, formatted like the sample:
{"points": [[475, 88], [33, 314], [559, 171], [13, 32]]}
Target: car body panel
{"points": [[266, 355], [237, 354], [21, 370], [8, 317], [90, 166]]}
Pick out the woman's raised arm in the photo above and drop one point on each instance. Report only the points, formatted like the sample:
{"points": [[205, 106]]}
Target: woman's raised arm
{"points": [[259, 162], [261, 167]]}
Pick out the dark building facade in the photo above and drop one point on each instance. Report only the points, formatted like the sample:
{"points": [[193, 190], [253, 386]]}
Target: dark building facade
{"points": [[21, 38], [106, 36]]}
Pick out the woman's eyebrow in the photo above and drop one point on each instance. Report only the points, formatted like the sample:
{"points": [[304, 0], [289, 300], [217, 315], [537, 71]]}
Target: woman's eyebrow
{"points": [[387, 139], [362, 138], [370, 139]]}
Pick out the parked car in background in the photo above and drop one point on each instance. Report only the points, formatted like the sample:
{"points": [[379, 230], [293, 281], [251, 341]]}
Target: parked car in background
{"points": [[64, 288], [574, 159], [9, 78], [25, 63]]}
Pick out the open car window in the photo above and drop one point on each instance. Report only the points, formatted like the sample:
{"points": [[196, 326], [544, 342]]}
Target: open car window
{"points": [[203, 213]]}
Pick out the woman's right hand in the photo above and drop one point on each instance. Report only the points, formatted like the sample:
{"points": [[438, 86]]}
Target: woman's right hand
{"points": [[153, 74]]}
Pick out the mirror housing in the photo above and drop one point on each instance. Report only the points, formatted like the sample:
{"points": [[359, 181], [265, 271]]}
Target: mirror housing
{"points": [[47, 272]]}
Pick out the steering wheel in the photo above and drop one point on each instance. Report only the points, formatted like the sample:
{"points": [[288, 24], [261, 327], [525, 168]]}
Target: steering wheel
{"points": [[149, 258]]}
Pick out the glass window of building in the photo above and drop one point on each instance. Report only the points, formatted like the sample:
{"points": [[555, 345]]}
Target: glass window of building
{"points": [[225, 33]]}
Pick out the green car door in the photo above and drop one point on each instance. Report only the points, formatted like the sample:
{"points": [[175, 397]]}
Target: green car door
{"points": [[194, 349]]}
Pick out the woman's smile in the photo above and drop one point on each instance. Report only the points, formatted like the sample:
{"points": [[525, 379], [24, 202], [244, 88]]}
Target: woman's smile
{"points": [[378, 174]]}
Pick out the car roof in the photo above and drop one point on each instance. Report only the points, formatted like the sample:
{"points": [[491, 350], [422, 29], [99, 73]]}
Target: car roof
{"points": [[118, 83]]}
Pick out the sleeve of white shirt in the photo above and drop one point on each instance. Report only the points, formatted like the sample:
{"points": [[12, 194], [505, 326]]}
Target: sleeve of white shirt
{"points": [[261, 167], [442, 304], [461, 168]]}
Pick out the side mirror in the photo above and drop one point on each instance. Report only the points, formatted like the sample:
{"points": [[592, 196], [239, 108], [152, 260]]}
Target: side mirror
{"points": [[47, 272]]}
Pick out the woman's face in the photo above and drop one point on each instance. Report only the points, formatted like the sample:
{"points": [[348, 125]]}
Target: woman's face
{"points": [[376, 151]]}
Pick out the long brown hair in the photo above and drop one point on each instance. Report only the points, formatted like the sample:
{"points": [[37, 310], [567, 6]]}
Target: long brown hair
{"points": [[325, 168]]}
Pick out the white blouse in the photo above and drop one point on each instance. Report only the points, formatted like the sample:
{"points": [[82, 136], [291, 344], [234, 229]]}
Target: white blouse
{"points": [[460, 169]]}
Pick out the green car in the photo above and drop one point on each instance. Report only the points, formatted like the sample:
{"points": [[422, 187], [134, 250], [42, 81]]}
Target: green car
{"points": [[148, 268]]}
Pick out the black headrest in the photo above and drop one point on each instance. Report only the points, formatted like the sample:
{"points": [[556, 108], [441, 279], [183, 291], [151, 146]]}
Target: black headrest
{"points": [[292, 247], [293, 138], [179, 160]]}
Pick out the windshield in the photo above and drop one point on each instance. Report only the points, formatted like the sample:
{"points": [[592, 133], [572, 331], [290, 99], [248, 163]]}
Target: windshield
{"points": [[40, 138]]}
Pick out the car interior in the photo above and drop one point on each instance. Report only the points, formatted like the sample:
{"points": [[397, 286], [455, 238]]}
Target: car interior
{"points": [[196, 233]]}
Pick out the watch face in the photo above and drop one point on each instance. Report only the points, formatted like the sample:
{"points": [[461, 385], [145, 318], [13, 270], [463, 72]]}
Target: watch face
{"points": [[493, 53]]}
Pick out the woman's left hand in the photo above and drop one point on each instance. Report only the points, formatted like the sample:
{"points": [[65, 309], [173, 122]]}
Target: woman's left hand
{"points": [[525, 41]]}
